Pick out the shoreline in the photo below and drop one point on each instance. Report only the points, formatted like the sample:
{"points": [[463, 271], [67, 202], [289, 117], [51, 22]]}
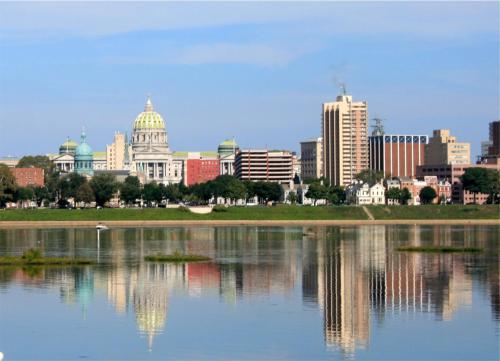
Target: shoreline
{"points": [[228, 223]]}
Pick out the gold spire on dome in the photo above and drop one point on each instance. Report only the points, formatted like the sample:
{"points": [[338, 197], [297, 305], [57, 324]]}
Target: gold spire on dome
{"points": [[149, 104]]}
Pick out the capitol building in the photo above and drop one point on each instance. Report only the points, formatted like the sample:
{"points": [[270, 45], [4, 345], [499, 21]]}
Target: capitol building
{"points": [[151, 154], [146, 154]]}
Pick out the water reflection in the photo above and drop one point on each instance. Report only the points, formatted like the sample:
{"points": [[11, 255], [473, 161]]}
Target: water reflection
{"points": [[352, 275]]}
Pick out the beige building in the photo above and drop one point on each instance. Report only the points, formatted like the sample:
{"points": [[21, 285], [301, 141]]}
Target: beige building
{"points": [[345, 139], [311, 158], [116, 153], [9, 161], [444, 149]]}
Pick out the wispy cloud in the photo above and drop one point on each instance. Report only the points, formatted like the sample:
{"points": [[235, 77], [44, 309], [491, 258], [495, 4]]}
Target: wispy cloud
{"points": [[57, 19], [259, 54]]}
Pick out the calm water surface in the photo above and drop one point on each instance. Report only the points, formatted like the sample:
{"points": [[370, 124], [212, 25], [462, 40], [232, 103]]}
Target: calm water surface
{"points": [[305, 293]]}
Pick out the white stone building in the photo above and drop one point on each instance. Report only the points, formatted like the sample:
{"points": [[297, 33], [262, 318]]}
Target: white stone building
{"points": [[151, 154]]}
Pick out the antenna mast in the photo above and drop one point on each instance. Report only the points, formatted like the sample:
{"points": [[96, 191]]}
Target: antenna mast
{"points": [[378, 128]]}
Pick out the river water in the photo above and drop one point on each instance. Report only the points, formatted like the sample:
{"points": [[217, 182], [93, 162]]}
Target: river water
{"points": [[302, 293]]}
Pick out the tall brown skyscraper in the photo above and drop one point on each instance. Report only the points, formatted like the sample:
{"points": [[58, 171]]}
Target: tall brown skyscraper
{"points": [[345, 139]]}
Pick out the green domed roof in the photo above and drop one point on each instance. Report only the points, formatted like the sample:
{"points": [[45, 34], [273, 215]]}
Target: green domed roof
{"points": [[229, 143], [84, 150], [149, 119], [227, 147], [68, 147]]}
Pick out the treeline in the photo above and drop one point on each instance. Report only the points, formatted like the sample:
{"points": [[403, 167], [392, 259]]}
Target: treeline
{"points": [[103, 187], [224, 186]]}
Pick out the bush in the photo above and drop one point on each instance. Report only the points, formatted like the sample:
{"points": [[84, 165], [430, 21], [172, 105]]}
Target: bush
{"points": [[219, 208], [183, 209], [32, 254]]}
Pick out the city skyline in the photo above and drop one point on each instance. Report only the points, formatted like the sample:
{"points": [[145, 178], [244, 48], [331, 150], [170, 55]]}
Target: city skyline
{"points": [[251, 71]]}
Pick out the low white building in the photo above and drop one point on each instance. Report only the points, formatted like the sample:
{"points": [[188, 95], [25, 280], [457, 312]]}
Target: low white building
{"points": [[361, 193]]}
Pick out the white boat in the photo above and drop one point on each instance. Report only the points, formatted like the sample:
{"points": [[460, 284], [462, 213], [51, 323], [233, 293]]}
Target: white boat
{"points": [[101, 227]]}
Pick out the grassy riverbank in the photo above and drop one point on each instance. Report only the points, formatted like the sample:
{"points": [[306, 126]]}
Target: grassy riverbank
{"points": [[231, 213], [454, 211], [278, 213]]}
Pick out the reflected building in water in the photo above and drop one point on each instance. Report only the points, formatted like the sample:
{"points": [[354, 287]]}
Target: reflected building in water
{"points": [[150, 287], [353, 275]]}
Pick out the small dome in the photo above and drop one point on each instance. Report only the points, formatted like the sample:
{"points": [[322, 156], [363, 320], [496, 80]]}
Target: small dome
{"points": [[68, 147], [228, 143], [84, 150], [149, 119], [228, 146]]}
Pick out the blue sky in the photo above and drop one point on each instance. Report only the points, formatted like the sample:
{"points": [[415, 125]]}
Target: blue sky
{"points": [[255, 71]]}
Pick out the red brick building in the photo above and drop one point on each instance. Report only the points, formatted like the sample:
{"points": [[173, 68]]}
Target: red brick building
{"points": [[452, 173], [201, 170], [397, 155], [25, 177]]}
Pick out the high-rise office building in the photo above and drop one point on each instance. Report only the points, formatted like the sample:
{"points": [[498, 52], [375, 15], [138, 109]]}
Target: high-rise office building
{"points": [[311, 158], [490, 150], [444, 149], [118, 153], [397, 155], [345, 139], [494, 149]]}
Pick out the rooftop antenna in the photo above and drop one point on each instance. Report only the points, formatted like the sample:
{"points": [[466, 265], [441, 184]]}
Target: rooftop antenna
{"points": [[378, 128], [343, 88]]}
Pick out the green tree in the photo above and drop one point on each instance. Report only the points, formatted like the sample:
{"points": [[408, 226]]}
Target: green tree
{"points": [[151, 193], [292, 197], [51, 184], [393, 194], [203, 191], [85, 194], [228, 187], [24, 194], [427, 195], [267, 191], [235, 190], [476, 180], [182, 189], [69, 184], [250, 189], [405, 196], [370, 176], [273, 191], [40, 194], [130, 190], [494, 186], [7, 185], [317, 191], [104, 187], [336, 195], [172, 192]]}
